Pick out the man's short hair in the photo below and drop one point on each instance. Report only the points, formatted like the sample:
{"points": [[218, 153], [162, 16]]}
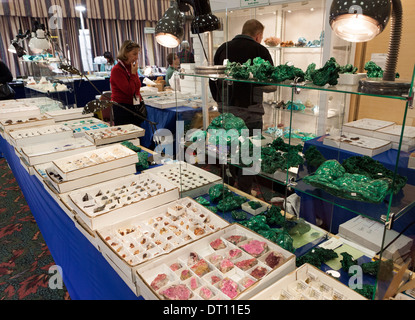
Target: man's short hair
{"points": [[185, 44], [252, 27]]}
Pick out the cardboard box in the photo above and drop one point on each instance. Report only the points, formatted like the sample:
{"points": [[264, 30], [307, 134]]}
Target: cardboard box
{"points": [[359, 144], [155, 232], [63, 186], [49, 151], [308, 283], [124, 198], [38, 134], [114, 134], [191, 180], [147, 272], [92, 162], [366, 127]]}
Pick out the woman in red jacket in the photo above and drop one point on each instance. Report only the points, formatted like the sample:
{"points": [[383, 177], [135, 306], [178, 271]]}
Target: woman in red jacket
{"points": [[125, 84]]}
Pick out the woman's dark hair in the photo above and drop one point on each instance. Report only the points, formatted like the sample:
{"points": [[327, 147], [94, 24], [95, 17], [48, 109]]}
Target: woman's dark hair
{"points": [[171, 57], [108, 56]]}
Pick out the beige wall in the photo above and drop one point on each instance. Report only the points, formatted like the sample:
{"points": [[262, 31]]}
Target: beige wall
{"points": [[389, 109]]}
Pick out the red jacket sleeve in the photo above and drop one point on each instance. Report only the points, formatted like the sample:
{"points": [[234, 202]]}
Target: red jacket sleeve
{"points": [[123, 86]]}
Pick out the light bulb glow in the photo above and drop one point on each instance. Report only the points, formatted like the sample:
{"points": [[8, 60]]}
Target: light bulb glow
{"points": [[167, 40], [356, 28]]}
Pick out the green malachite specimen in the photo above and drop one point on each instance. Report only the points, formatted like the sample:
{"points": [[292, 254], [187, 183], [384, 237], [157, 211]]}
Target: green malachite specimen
{"points": [[280, 155], [238, 70], [226, 121], [279, 144], [314, 157], [328, 74], [368, 291], [332, 177], [297, 226], [347, 262], [238, 215], [261, 69], [255, 204], [218, 192], [212, 208], [316, 257], [348, 68], [286, 72], [373, 169], [203, 201], [131, 146], [374, 71], [142, 163], [230, 202], [274, 216]]}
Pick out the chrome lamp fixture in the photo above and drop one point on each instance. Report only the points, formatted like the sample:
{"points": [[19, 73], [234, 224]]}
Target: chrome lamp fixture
{"points": [[363, 20], [169, 29]]}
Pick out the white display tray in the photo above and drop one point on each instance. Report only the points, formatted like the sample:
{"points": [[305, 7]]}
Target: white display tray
{"points": [[63, 186], [411, 161], [359, 144], [164, 103], [191, 180], [114, 134], [308, 283], [247, 208], [91, 235], [404, 147], [96, 161], [128, 195], [68, 114], [80, 126], [38, 134], [147, 272], [393, 134], [349, 79], [18, 110], [24, 122], [366, 127], [49, 151], [156, 232]]}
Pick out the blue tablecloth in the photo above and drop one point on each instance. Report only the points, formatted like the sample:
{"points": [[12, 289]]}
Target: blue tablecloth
{"points": [[165, 119], [312, 208], [86, 273]]}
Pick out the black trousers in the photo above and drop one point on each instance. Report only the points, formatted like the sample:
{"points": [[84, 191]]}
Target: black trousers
{"points": [[122, 116]]}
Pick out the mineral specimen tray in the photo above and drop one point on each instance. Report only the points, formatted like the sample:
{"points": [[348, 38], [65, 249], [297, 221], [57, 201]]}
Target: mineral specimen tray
{"points": [[49, 151], [191, 180], [123, 198], [25, 121], [114, 134], [148, 271], [366, 127], [68, 114], [308, 283], [393, 134], [96, 161], [38, 134], [62, 186], [156, 232], [359, 144]]}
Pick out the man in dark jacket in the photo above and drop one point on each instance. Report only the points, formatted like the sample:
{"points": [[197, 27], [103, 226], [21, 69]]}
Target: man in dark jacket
{"points": [[5, 76], [243, 100]]}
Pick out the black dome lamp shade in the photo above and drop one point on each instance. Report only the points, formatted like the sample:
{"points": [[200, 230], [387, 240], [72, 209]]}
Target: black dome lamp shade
{"points": [[169, 29], [363, 20]]}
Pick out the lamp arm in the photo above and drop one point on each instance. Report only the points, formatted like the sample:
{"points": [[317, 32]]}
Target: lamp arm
{"points": [[395, 41]]}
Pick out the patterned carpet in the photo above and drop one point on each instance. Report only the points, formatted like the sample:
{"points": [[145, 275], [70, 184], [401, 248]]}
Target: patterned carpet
{"points": [[25, 260]]}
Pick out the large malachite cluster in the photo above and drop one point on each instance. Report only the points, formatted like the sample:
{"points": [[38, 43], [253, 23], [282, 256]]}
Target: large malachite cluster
{"points": [[262, 70], [279, 155]]}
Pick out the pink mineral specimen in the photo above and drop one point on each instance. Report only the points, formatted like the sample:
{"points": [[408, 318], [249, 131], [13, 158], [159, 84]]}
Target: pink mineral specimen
{"points": [[193, 258], [258, 272], [175, 266], [226, 265], [229, 287], [217, 244], [159, 281], [235, 239], [177, 292], [185, 274], [273, 260], [193, 283], [200, 268], [205, 293], [234, 253], [215, 258], [246, 264], [255, 247], [215, 279], [247, 282]]}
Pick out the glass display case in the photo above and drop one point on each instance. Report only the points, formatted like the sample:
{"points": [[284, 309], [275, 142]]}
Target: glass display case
{"points": [[310, 162]]}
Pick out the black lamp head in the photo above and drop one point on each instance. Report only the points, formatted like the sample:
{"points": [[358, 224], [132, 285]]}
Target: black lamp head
{"points": [[204, 20], [169, 29], [359, 21]]}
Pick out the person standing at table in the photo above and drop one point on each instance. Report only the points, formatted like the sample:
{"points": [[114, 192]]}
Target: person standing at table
{"points": [[125, 85], [5, 76], [243, 100], [110, 62], [174, 64], [186, 55]]}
